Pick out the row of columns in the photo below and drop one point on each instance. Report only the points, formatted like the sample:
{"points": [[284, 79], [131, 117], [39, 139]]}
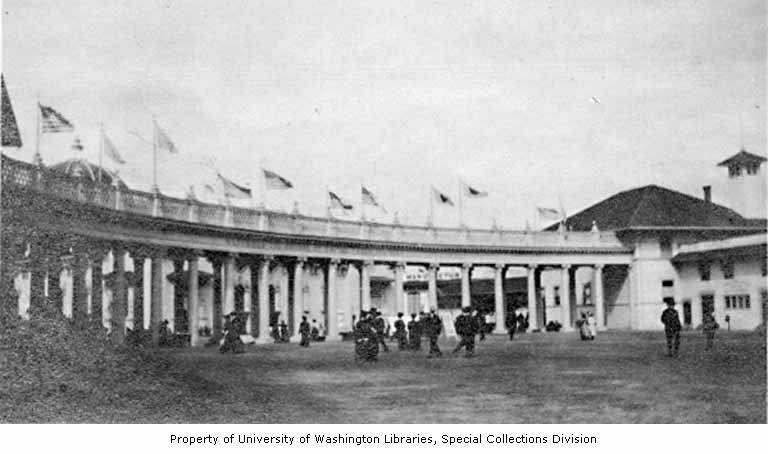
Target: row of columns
{"points": [[224, 266]]}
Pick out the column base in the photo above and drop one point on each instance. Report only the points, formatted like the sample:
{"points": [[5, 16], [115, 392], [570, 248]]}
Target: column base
{"points": [[499, 331], [568, 329]]}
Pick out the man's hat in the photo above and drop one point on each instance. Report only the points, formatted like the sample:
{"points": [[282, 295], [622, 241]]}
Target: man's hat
{"points": [[466, 309], [669, 301], [399, 314]]}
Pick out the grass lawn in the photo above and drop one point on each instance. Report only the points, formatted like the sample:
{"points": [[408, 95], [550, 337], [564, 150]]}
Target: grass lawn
{"points": [[621, 377]]}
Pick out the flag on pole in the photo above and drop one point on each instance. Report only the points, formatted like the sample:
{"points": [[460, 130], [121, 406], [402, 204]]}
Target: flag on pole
{"points": [[209, 189], [441, 198], [473, 193], [368, 197], [337, 202], [53, 122], [10, 131], [163, 141], [549, 214], [232, 189], [111, 151], [275, 181]]}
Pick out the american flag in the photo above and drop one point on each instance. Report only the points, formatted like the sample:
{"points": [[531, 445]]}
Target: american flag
{"points": [[52, 121], [368, 197]]}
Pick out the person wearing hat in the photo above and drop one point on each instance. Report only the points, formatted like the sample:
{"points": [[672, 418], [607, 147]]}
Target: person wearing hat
{"points": [[433, 327], [380, 326], [400, 335], [466, 328], [304, 330], [363, 334], [672, 327], [414, 333]]}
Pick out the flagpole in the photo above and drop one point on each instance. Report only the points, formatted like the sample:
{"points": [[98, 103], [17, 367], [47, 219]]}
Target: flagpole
{"points": [[37, 158], [362, 205], [263, 192], [154, 155], [101, 147], [461, 205], [431, 206]]}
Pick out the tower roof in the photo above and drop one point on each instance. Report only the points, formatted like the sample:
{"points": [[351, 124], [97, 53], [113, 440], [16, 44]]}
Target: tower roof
{"points": [[78, 167], [743, 157]]}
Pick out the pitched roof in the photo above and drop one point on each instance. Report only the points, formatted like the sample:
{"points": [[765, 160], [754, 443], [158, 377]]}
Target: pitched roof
{"points": [[655, 206], [743, 157]]}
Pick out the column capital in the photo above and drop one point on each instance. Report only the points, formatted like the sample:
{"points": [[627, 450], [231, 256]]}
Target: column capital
{"points": [[566, 266], [466, 266], [599, 266], [335, 261], [433, 266], [532, 266], [301, 260], [397, 265], [368, 263], [499, 266]]}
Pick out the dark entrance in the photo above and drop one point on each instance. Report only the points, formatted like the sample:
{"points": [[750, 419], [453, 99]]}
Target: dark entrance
{"points": [[687, 317], [764, 300], [707, 305]]}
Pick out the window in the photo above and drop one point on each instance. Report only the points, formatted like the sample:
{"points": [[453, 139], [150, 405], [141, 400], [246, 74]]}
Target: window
{"points": [[734, 170], [727, 269], [666, 245], [704, 271], [737, 302], [557, 296], [752, 169]]}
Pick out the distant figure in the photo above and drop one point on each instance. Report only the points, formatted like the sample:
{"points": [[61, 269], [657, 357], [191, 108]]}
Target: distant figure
{"points": [[164, 334], [284, 337], [521, 322], [592, 325], [305, 331], [400, 334], [414, 336], [232, 341], [709, 327], [480, 321], [315, 331], [510, 322], [380, 326], [433, 327], [583, 324], [466, 328], [672, 327]]}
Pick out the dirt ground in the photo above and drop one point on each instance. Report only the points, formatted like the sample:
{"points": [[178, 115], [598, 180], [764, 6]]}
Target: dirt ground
{"points": [[621, 377]]}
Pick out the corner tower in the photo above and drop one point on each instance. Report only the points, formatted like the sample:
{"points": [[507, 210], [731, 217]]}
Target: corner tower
{"points": [[745, 186]]}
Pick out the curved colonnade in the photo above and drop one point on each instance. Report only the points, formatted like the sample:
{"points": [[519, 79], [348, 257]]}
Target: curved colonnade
{"points": [[53, 221]]}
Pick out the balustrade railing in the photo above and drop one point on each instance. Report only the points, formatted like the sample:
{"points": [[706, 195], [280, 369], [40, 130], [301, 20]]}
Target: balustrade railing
{"points": [[42, 179]]}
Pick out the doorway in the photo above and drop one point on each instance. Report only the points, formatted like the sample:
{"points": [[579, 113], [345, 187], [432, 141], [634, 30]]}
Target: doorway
{"points": [[707, 306], [687, 316]]}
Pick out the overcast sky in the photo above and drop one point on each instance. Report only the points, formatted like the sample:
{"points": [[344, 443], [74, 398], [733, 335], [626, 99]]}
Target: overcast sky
{"points": [[401, 95]]}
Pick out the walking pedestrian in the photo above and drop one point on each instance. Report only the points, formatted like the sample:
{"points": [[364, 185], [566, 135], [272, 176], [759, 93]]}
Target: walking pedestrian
{"points": [[305, 331], [380, 326], [400, 334], [510, 322], [433, 327], [709, 327], [414, 336], [672, 327], [466, 328]]}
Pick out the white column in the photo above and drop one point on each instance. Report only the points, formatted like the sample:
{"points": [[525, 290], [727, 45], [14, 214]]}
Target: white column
{"points": [[432, 294], [399, 290], [298, 294], [533, 297], [229, 284], [466, 297], [331, 311], [365, 285], [194, 296], [156, 304], [565, 298], [498, 295], [264, 299], [599, 303], [284, 307]]}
